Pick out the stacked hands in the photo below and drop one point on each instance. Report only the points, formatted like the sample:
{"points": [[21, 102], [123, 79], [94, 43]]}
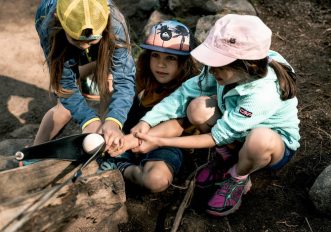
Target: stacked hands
{"points": [[117, 143], [138, 141]]}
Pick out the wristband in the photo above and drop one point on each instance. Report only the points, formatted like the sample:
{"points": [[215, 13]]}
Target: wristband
{"points": [[116, 121], [89, 122]]}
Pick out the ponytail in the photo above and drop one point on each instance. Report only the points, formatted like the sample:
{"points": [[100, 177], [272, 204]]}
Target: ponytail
{"points": [[286, 78], [259, 68]]}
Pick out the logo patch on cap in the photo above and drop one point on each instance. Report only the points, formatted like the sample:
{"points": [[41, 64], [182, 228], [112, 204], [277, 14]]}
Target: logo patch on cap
{"points": [[244, 112]]}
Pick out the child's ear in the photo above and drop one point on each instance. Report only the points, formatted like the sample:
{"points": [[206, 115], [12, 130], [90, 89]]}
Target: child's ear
{"points": [[55, 15]]}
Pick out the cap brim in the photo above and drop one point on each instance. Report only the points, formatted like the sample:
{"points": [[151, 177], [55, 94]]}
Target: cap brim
{"points": [[165, 50], [91, 37], [210, 57]]}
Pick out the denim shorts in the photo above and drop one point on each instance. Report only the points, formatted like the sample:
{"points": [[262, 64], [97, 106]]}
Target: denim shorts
{"points": [[288, 154], [173, 157]]}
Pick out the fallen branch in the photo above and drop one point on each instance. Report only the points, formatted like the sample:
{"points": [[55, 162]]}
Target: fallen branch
{"points": [[183, 205], [311, 230], [286, 224], [279, 36]]}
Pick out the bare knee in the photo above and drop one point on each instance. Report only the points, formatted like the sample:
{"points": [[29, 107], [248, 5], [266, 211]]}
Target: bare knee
{"points": [[262, 144], [203, 112], [156, 183], [60, 114], [157, 179]]}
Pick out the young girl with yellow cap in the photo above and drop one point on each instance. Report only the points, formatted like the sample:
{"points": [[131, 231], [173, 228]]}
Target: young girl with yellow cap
{"points": [[80, 38], [162, 67], [247, 98]]}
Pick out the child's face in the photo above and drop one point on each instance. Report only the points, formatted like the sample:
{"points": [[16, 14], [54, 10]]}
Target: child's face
{"points": [[164, 66], [82, 44], [226, 75]]}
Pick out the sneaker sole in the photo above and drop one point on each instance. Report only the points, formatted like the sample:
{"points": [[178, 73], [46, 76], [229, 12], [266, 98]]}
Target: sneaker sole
{"points": [[203, 186], [236, 207]]}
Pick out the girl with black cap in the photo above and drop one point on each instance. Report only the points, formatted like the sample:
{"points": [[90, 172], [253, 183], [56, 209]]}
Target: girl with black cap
{"points": [[162, 67]]}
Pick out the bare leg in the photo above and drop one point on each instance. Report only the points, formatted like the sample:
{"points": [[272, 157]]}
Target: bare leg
{"points": [[155, 175], [262, 147], [53, 121]]}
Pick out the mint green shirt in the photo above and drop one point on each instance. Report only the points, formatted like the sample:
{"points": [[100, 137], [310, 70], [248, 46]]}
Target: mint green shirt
{"points": [[245, 107]]}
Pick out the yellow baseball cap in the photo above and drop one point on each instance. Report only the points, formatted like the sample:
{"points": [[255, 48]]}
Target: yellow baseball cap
{"points": [[77, 15]]}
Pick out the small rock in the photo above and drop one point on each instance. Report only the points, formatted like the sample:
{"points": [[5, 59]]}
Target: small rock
{"points": [[28, 131], [320, 192]]}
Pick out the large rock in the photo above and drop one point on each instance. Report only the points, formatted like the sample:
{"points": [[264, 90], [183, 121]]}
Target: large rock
{"points": [[148, 5], [8, 147], [27, 131], [220, 8], [204, 25], [155, 17], [180, 7], [230, 6], [183, 7], [320, 192]]}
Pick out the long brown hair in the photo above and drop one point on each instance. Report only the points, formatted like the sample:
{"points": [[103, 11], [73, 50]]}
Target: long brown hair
{"points": [[259, 68], [60, 48], [187, 65]]}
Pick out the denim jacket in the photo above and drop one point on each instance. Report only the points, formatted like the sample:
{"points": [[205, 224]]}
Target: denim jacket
{"points": [[122, 69]]}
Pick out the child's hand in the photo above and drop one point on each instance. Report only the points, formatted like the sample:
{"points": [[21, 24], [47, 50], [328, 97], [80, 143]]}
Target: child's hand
{"points": [[142, 127], [112, 134], [126, 143], [146, 142]]}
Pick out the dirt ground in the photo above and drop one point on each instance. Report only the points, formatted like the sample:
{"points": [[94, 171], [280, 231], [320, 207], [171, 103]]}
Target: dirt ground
{"points": [[278, 201]]}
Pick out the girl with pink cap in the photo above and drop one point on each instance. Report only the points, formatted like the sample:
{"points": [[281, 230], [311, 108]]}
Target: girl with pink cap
{"points": [[244, 97], [162, 67]]}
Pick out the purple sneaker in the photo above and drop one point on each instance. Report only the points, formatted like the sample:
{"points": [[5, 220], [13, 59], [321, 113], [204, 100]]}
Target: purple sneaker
{"points": [[227, 197], [215, 170], [209, 174]]}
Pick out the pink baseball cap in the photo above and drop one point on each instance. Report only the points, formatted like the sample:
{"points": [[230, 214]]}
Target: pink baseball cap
{"points": [[234, 37]]}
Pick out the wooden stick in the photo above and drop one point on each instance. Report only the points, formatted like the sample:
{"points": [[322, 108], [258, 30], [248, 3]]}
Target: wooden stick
{"points": [[21, 219], [19, 181], [311, 229], [183, 205]]}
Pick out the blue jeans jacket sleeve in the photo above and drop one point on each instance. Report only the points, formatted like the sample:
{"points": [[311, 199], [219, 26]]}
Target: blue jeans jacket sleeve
{"points": [[75, 103], [122, 69]]}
